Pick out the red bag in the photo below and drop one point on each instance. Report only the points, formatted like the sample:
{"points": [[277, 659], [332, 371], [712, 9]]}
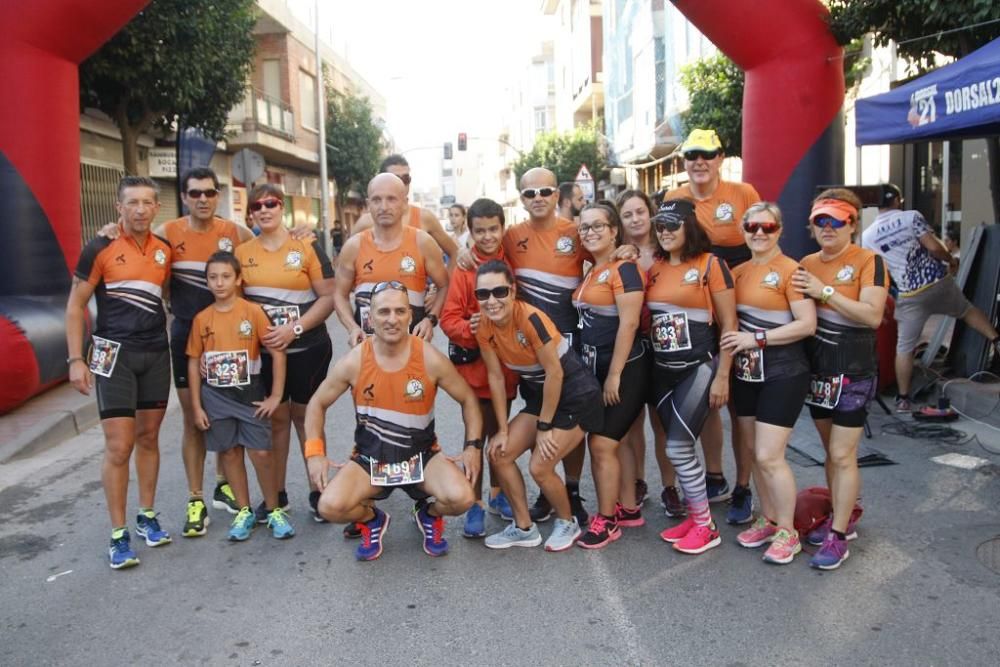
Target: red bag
{"points": [[813, 506]]}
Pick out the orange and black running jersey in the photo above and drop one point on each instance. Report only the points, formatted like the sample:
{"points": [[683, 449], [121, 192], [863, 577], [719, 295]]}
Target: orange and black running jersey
{"points": [[190, 248], [281, 281], [687, 289], [764, 294], [721, 214], [842, 345], [548, 264], [394, 410], [240, 328], [405, 264], [128, 284], [595, 300], [415, 220], [517, 344]]}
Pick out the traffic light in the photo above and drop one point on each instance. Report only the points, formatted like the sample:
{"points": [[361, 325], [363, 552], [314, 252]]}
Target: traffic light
{"points": [[447, 150], [463, 141]]}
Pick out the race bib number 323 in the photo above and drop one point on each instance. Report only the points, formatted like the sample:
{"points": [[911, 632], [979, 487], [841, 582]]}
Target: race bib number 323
{"points": [[228, 369]]}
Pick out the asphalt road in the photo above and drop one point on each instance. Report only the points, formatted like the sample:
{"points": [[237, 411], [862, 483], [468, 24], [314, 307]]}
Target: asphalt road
{"points": [[912, 593]]}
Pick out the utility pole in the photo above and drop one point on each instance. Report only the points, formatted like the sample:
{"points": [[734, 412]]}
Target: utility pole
{"points": [[324, 186]]}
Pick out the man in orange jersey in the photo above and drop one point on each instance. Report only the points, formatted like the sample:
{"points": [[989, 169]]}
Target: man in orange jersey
{"points": [[393, 377]]}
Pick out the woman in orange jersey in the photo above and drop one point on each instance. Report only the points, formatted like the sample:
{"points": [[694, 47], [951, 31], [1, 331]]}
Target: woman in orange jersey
{"points": [[636, 211], [850, 285], [610, 302], [770, 377], [687, 290], [460, 321], [559, 393], [293, 281]]}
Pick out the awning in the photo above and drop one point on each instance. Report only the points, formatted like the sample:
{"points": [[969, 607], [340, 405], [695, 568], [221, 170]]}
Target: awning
{"points": [[958, 100]]}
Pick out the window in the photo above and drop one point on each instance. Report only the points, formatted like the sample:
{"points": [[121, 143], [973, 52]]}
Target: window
{"points": [[307, 101], [270, 71]]}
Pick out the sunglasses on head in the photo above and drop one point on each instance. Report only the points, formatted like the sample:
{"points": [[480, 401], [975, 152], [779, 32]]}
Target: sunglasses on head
{"points": [[691, 156], [389, 284], [597, 227], [211, 193], [823, 221], [531, 193], [265, 203], [501, 292], [766, 227], [667, 225]]}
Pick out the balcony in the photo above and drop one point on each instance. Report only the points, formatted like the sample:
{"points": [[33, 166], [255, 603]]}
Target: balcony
{"points": [[261, 112]]}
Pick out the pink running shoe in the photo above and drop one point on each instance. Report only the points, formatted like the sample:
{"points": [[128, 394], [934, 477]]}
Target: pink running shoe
{"points": [[784, 546], [758, 534], [677, 533], [627, 518], [699, 540]]}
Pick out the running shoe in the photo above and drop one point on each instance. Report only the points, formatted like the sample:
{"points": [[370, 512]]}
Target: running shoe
{"points": [[262, 513], [541, 511], [641, 492], [831, 554], [475, 521], [313, 505], [281, 527], [760, 533], [372, 534], [563, 535], [576, 505], [740, 506], [197, 521], [817, 535], [903, 404], [699, 540], [432, 530], [225, 499], [672, 503], [784, 546], [120, 554], [501, 507], [601, 532], [242, 525], [627, 518], [148, 526], [351, 531], [512, 536], [677, 533], [717, 487]]}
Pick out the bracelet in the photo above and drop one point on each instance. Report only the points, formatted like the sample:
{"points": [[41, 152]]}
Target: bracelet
{"points": [[432, 318], [543, 426], [315, 447], [70, 360], [477, 443]]}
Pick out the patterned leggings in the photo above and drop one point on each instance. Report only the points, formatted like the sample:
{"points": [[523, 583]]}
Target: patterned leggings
{"points": [[683, 408]]}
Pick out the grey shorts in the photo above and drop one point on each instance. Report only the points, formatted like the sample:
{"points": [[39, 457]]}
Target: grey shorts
{"points": [[232, 423], [941, 298]]}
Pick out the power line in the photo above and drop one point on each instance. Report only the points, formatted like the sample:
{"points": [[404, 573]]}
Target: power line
{"points": [[938, 34]]}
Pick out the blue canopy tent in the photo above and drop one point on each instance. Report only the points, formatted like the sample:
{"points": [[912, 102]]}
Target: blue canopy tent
{"points": [[958, 100]]}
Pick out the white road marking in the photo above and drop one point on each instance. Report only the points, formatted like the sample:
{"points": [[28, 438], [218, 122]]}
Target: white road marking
{"points": [[963, 461], [56, 576]]}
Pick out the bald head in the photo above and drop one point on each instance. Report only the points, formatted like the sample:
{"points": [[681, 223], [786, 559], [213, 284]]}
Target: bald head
{"points": [[543, 187], [384, 181], [537, 178], [386, 200]]}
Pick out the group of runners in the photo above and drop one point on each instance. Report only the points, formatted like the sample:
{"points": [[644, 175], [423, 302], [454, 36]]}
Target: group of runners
{"points": [[629, 313]]}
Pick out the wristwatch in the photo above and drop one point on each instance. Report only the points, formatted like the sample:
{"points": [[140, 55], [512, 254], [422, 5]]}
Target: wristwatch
{"points": [[432, 318], [297, 330], [544, 426], [761, 337], [826, 293], [477, 443]]}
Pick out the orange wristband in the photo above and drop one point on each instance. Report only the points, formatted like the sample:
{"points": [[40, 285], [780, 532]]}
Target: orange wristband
{"points": [[315, 447]]}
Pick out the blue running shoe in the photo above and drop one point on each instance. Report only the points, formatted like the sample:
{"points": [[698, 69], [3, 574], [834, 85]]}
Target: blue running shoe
{"points": [[372, 534], [281, 527], [432, 528], [475, 521], [831, 554], [148, 527], [740, 506], [716, 487], [243, 525], [501, 507], [120, 554]]}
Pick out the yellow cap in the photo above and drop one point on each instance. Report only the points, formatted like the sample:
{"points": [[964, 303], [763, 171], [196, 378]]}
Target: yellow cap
{"points": [[702, 140]]}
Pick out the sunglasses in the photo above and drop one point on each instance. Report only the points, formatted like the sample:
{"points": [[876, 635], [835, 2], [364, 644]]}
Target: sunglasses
{"points": [[265, 203], [406, 178], [766, 227], [531, 193], [597, 228], [823, 221], [667, 226], [389, 284], [692, 156], [501, 292], [197, 194]]}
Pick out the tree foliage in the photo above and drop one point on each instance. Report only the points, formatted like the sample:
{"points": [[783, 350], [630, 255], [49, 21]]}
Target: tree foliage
{"points": [[176, 61], [354, 141], [715, 90], [564, 152]]}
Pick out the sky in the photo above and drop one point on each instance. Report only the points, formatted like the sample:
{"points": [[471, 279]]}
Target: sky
{"points": [[442, 65]]}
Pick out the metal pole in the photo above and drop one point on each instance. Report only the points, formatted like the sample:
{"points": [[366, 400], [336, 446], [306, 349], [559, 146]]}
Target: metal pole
{"points": [[324, 186]]}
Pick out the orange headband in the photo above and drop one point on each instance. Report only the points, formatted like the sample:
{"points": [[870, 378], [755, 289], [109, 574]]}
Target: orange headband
{"points": [[837, 208]]}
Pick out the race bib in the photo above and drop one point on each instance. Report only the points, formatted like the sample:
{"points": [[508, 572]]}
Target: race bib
{"points": [[824, 391], [103, 356], [750, 365], [365, 314], [228, 369], [281, 315], [588, 354], [397, 474], [670, 333]]}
